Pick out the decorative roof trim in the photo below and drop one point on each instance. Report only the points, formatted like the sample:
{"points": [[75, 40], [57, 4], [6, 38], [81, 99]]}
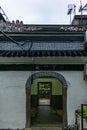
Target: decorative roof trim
{"points": [[42, 53]]}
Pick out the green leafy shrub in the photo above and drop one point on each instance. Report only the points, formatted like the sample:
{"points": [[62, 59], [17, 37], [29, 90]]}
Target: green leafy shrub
{"points": [[85, 112]]}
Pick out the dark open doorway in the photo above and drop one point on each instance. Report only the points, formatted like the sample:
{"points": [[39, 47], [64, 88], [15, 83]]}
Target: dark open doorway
{"points": [[57, 94], [44, 93]]}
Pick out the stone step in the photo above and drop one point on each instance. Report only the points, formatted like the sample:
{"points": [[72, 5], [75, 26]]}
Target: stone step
{"points": [[46, 128]]}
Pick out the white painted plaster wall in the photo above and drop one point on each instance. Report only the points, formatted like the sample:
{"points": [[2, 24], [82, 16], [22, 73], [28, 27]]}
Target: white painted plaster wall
{"points": [[13, 97], [76, 92]]}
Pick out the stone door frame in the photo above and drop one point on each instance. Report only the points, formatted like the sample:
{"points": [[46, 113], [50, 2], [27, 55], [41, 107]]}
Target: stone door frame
{"points": [[50, 74]]}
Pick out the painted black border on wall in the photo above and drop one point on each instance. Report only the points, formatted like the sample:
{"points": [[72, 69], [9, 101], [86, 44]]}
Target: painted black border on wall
{"points": [[31, 67]]}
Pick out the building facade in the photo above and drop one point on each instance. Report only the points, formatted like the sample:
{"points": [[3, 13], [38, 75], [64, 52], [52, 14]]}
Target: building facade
{"points": [[45, 69]]}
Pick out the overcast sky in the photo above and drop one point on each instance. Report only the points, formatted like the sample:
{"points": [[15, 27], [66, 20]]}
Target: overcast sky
{"points": [[39, 11]]}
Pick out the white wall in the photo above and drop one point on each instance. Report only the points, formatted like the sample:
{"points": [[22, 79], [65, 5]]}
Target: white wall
{"points": [[13, 97], [76, 92]]}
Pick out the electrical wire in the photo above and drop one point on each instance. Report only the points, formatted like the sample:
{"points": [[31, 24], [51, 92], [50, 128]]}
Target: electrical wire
{"points": [[17, 43], [11, 39]]}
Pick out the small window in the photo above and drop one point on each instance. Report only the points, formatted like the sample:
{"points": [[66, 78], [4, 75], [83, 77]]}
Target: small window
{"points": [[82, 22]]}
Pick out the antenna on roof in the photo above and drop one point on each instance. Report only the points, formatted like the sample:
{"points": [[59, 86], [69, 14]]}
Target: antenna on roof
{"points": [[82, 8], [71, 10], [3, 16]]}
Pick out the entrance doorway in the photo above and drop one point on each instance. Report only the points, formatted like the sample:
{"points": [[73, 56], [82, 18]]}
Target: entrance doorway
{"points": [[51, 87], [44, 93]]}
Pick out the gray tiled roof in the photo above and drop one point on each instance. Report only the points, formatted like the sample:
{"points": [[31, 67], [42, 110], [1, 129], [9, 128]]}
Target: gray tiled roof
{"points": [[42, 45], [57, 46]]}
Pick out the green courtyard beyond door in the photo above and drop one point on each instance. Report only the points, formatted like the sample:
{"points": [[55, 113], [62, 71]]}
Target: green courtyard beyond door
{"points": [[44, 93]]}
